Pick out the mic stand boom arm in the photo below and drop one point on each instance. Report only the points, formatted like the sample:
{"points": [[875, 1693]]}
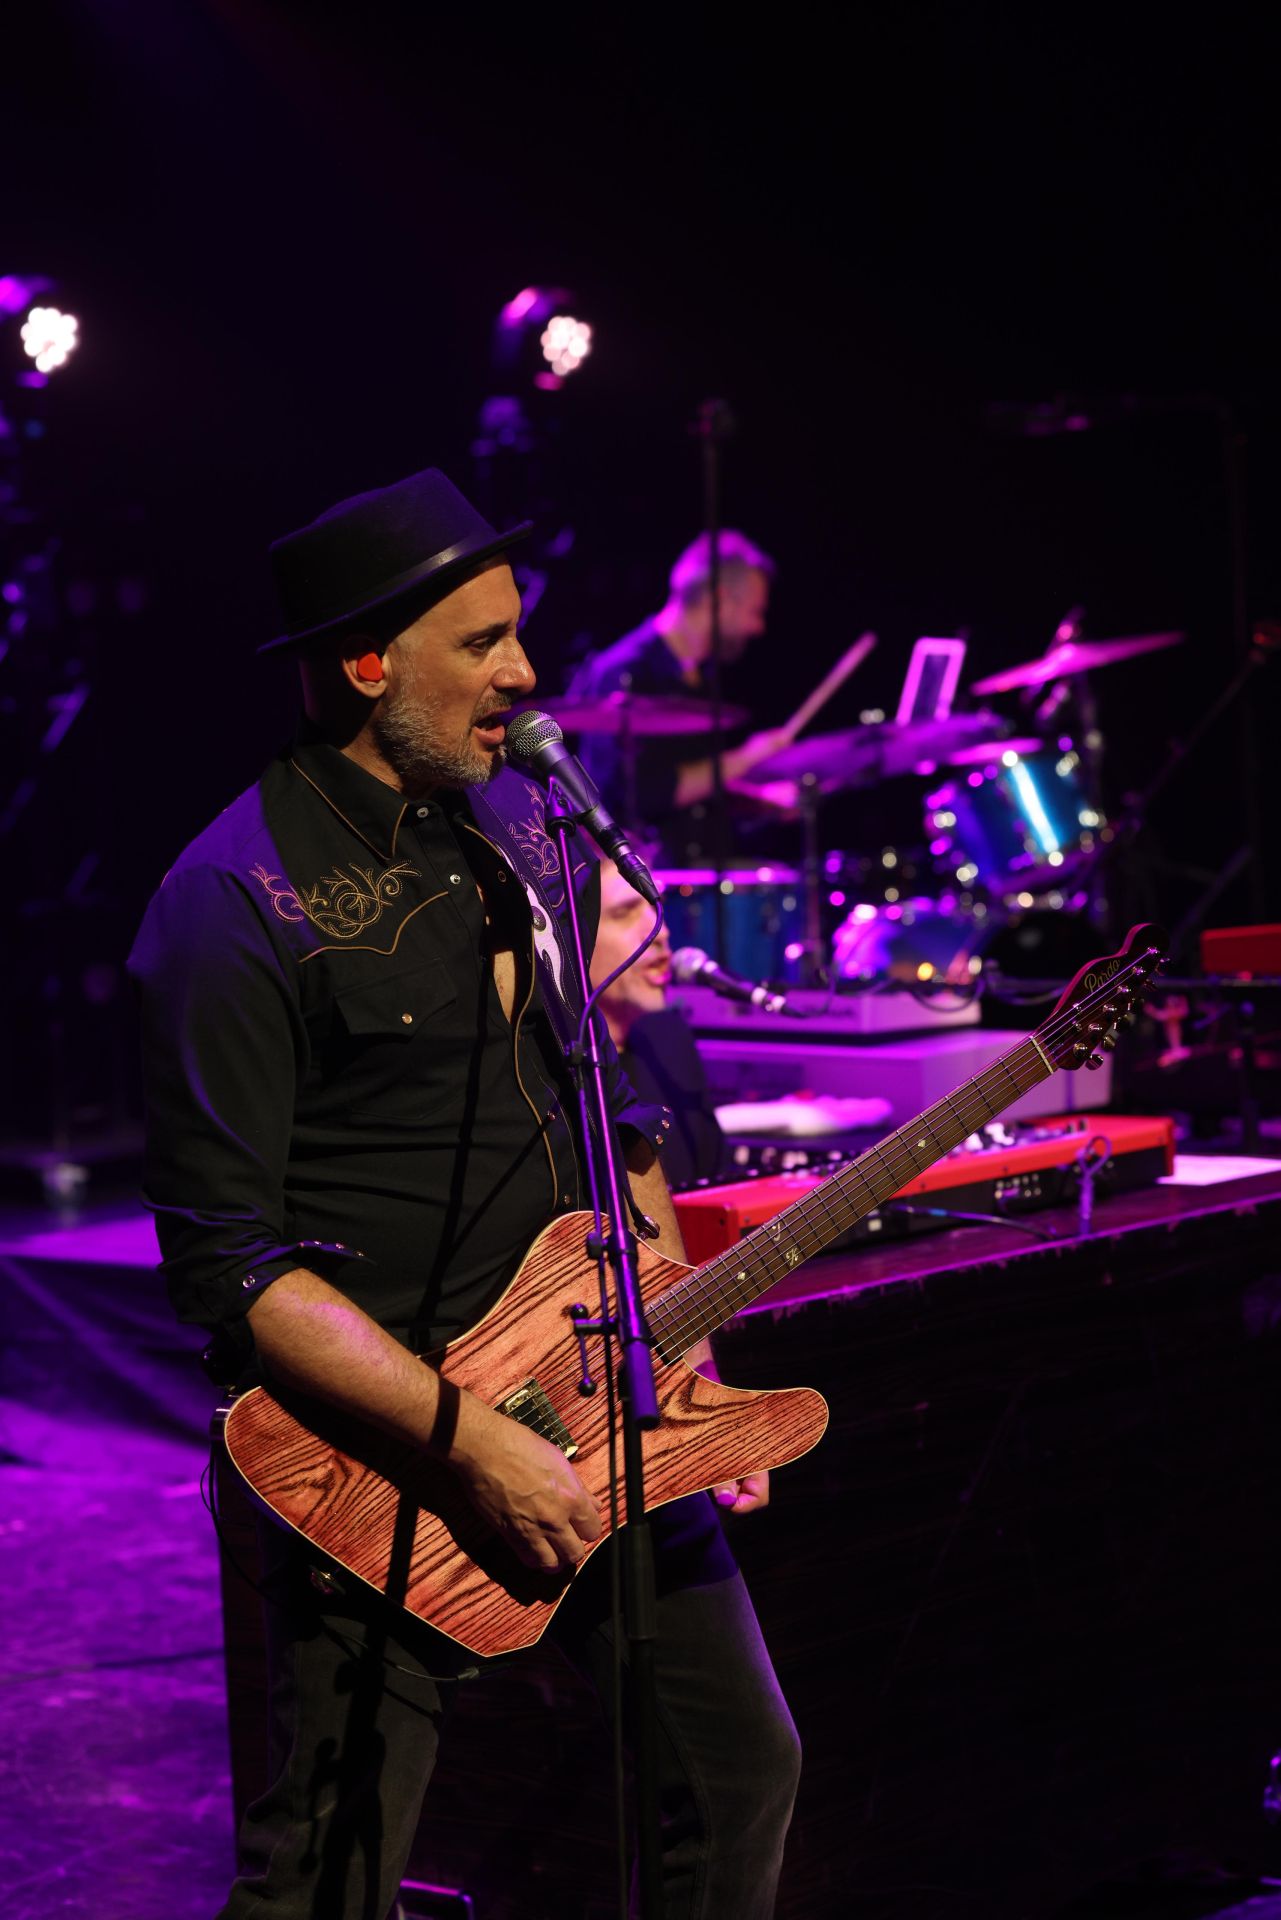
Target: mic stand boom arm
{"points": [[615, 1252]]}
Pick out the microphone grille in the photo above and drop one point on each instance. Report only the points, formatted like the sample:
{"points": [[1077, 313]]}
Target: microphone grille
{"points": [[529, 731], [687, 963]]}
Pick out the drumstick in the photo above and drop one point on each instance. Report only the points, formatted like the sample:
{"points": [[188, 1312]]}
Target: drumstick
{"points": [[851, 658]]}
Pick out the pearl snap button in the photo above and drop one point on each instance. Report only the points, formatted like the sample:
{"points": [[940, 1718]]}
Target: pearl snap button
{"points": [[423, 812], [408, 1019], [455, 879]]}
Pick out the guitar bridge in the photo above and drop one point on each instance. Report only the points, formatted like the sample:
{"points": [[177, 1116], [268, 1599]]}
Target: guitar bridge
{"points": [[530, 1405]]}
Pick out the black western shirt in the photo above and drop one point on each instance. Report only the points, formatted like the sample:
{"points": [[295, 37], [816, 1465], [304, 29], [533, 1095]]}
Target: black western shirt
{"points": [[331, 1079]]}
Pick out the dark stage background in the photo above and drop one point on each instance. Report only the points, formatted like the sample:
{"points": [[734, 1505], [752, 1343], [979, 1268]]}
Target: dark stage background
{"points": [[287, 231]]}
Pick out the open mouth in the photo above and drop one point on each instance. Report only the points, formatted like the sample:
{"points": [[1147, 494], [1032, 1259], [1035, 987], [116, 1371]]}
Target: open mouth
{"points": [[492, 729]]}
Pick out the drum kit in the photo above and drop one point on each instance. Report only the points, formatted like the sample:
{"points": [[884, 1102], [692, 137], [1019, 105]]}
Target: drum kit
{"points": [[1010, 814]]}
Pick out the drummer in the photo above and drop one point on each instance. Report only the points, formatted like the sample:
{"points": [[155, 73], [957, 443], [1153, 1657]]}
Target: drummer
{"points": [[667, 654]]}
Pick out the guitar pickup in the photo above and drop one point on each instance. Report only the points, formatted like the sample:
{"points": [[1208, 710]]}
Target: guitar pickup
{"points": [[530, 1405]]}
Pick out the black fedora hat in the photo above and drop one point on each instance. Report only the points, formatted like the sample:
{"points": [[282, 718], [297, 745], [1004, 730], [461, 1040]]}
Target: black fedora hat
{"points": [[376, 548]]}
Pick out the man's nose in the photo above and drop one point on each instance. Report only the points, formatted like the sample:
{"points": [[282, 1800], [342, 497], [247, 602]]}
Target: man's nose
{"points": [[513, 672]]}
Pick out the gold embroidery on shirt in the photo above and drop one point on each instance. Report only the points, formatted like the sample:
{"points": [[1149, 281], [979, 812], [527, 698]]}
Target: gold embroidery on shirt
{"points": [[342, 903], [533, 839]]}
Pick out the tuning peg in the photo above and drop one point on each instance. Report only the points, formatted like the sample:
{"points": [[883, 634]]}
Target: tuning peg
{"points": [[1108, 1042], [1094, 1062]]}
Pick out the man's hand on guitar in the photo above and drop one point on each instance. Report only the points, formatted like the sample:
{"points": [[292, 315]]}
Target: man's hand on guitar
{"points": [[745, 1495], [525, 1488]]}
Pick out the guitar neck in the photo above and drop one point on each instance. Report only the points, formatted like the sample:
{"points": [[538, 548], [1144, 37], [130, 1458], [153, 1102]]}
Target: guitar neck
{"points": [[714, 1292]]}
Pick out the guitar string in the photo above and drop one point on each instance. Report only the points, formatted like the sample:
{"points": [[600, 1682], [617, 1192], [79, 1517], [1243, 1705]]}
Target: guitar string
{"points": [[675, 1305], [682, 1313], [680, 1317], [669, 1317]]}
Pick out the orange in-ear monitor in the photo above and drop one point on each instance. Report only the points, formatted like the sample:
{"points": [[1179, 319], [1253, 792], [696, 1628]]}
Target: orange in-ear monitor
{"points": [[370, 666]]}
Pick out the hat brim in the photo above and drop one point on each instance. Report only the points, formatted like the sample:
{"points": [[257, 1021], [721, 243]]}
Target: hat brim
{"points": [[445, 568]]}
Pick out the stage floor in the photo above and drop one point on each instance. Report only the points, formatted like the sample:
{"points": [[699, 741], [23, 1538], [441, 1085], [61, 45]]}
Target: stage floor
{"points": [[112, 1713]]}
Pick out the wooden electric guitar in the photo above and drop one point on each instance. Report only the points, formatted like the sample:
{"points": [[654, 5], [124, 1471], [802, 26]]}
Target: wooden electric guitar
{"points": [[402, 1523]]}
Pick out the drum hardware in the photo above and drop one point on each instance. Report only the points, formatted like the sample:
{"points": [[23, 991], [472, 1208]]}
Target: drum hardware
{"points": [[1069, 657], [761, 908], [922, 944], [633, 717], [862, 756]]}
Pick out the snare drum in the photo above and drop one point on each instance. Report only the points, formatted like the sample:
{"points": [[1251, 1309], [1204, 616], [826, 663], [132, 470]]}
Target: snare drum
{"points": [[762, 910], [1013, 818]]}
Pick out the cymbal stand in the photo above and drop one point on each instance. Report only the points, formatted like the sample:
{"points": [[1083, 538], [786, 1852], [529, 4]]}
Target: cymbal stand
{"points": [[627, 753], [713, 425], [814, 970], [1265, 644]]}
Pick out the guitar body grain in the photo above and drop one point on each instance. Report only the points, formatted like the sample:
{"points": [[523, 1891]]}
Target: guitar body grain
{"points": [[401, 1523]]}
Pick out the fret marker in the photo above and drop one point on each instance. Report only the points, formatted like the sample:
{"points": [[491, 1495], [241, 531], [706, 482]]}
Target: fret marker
{"points": [[792, 1257], [741, 1275]]}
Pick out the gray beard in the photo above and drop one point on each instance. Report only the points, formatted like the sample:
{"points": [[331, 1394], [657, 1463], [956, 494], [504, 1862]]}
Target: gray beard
{"points": [[406, 742]]}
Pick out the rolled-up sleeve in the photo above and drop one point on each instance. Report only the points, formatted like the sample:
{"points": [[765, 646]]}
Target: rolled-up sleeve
{"points": [[632, 1114], [223, 1048]]}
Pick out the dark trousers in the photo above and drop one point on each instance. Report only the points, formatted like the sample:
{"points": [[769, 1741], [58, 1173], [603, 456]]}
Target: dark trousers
{"points": [[354, 1740]]}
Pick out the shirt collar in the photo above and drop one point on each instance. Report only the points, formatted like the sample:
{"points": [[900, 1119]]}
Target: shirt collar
{"points": [[373, 810]]}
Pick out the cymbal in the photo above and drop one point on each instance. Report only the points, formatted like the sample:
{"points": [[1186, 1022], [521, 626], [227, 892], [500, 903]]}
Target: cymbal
{"points": [[919, 744], [646, 715], [860, 756], [1074, 656], [850, 758], [977, 752]]}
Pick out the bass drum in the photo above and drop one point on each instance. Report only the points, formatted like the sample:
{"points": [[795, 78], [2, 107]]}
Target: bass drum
{"points": [[762, 911], [916, 943]]}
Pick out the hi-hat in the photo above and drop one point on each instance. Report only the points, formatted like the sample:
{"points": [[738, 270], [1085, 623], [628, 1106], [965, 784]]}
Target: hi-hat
{"points": [[1074, 656], [645, 714]]}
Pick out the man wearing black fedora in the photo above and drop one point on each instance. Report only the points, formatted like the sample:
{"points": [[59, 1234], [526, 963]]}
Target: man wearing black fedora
{"points": [[353, 996]]}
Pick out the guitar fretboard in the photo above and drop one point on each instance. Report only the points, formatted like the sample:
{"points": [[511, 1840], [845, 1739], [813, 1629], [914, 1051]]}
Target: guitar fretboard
{"points": [[714, 1292]]}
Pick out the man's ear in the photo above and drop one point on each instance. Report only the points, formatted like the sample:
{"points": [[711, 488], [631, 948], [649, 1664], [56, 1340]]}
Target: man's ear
{"points": [[363, 667]]}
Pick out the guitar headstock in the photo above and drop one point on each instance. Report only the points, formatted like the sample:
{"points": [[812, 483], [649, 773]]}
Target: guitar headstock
{"points": [[1083, 1026]]}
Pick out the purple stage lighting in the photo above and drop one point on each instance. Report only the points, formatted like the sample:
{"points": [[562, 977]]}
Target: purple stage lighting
{"points": [[18, 290], [50, 337]]}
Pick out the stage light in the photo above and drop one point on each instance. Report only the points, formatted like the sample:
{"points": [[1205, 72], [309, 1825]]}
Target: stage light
{"points": [[50, 337], [566, 343], [539, 338]]}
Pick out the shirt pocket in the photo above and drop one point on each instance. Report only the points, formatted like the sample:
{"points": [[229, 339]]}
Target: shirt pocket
{"points": [[386, 1043]]}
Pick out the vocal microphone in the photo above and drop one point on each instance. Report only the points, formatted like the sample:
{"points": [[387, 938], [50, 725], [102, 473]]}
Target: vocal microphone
{"points": [[537, 745], [696, 968]]}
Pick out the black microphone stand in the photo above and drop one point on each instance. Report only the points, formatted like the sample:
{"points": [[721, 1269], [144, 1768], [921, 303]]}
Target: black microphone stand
{"points": [[612, 1244]]}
